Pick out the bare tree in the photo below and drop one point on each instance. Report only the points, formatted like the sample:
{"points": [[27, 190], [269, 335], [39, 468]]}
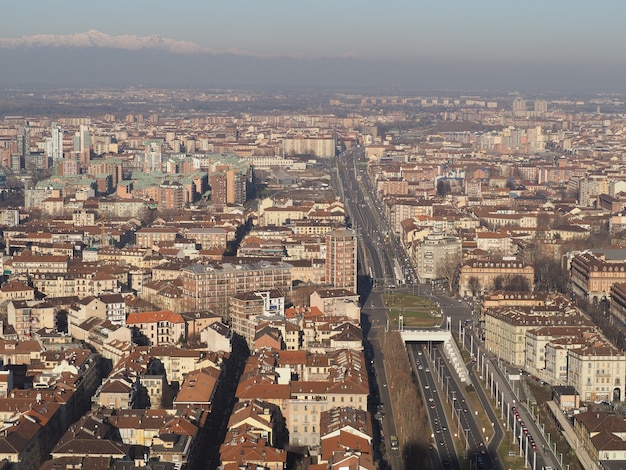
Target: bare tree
{"points": [[448, 269], [474, 285], [413, 428], [517, 283]]}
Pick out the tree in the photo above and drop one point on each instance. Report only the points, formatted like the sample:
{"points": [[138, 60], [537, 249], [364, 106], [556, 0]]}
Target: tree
{"points": [[516, 282], [448, 269], [474, 285], [405, 395], [443, 187], [498, 283]]}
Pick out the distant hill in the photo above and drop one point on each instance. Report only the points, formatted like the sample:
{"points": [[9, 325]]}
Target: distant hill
{"points": [[95, 59]]}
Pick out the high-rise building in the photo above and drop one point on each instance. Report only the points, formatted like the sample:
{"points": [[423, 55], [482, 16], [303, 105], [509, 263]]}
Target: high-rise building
{"points": [[54, 146], [341, 259], [23, 142], [519, 107], [82, 144]]}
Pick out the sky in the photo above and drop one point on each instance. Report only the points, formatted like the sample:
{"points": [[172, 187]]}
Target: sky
{"points": [[542, 44], [396, 29]]}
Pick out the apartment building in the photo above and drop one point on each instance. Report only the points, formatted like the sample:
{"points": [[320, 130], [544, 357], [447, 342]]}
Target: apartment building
{"points": [[597, 371], [148, 237], [209, 286], [434, 253], [339, 381], [248, 309], [16, 290], [28, 263], [341, 259], [506, 328], [161, 327], [592, 276]]}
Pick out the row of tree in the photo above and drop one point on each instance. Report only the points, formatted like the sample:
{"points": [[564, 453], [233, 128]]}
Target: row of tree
{"points": [[410, 414]]}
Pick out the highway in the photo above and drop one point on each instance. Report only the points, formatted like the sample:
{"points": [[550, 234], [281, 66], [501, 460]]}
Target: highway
{"points": [[515, 415], [383, 259], [374, 262]]}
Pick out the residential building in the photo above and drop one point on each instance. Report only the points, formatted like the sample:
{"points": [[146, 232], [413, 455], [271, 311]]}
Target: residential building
{"points": [[341, 259], [486, 272], [160, 328], [434, 254]]}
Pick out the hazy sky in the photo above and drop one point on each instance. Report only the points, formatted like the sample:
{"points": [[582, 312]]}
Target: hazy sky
{"points": [[539, 30]]}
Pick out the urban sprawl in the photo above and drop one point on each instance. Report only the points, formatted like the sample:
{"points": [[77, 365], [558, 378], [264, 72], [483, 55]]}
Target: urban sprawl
{"points": [[188, 288]]}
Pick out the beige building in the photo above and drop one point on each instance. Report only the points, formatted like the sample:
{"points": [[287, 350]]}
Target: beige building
{"points": [[495, 243], [486, 271], [162, 327], [538, 339], [506, 327], [29, 316], [597, 371], [433, 253], [15, 290], [341, 259], [27, 263], [337, 303], [592, 276]]}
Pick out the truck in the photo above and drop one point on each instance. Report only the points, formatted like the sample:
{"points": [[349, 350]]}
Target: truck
{"points": [[395, 445]]}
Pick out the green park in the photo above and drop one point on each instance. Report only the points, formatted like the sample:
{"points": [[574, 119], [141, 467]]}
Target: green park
{"points": [[416, 311]]}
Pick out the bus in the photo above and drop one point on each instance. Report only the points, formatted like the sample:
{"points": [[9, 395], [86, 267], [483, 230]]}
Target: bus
{"points": [[394, 443]]}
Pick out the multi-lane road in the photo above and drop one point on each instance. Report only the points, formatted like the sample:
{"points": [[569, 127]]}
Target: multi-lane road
{"points": [[383, 260]]}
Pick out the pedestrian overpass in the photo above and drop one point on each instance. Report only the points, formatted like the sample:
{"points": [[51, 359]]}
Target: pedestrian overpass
{"points": [[450, 348]]}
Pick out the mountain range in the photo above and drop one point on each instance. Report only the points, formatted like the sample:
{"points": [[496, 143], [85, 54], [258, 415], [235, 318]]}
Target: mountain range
{"points": [[98, 39], [96, 59]]}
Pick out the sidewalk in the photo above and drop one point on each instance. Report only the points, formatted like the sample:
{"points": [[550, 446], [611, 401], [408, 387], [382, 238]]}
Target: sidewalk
{"points": [[572, 439]]}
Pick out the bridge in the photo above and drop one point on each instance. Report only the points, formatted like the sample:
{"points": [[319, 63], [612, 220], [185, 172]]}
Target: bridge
{"points": [[449, 347]]}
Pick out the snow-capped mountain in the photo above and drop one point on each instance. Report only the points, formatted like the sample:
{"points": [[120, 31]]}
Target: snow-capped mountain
{"points": [[98, 39]]}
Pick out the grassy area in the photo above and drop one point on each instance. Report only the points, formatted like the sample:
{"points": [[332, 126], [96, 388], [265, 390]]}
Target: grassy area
{"points": [[506, 451], [417, 311], [483, 419]]}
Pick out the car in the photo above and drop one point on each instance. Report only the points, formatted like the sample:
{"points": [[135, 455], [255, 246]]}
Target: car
{"points": [[432, 405], [446, 462], [427, 370], [444, 429], [437, 430], [434, 390], [464, 410], [426, 387], [420, 368], [442, 442]]}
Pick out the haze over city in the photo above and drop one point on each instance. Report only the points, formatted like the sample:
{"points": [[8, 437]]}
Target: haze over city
{"points": [[312, 236], [571, 47]]}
